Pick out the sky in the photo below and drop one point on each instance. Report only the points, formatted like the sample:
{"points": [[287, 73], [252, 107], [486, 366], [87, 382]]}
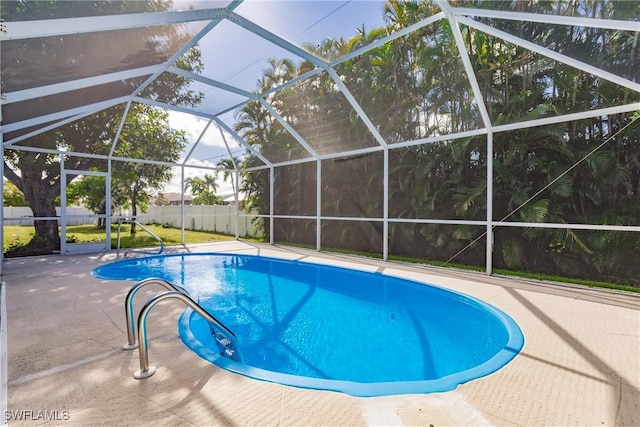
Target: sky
{"points": [[211, 143]]}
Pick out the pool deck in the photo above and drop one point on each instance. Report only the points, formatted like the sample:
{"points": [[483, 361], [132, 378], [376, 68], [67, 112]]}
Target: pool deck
{"points": [[580, 365]]}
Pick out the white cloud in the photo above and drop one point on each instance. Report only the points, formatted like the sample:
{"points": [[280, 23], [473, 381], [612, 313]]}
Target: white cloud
{"points": [[192, 125]]}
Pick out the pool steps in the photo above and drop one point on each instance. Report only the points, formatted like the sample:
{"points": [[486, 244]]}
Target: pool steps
{"points": [[224, 337], [224, 344]]}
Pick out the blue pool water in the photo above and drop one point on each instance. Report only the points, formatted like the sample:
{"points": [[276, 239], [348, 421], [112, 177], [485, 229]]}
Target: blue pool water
{"points": [[317, 326]]}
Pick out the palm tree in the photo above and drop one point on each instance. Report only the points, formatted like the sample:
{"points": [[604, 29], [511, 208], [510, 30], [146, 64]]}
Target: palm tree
{"points": [[195, 184], [203, 190], [229, 165], [414, 87]]}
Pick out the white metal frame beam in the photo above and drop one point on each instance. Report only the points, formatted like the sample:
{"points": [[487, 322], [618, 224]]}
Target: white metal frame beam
{"points": [[354, 104], [486, 119], [244, 143], [290, 129], [609, 24], [61, 118], [54, 89], [275, 39], [478, 132], [550, 53], [67, 26], [384, 40], [211, 82]]}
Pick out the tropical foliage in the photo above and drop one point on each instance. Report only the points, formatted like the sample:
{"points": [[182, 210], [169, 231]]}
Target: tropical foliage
{"points": [[12, 196], [203, 189], [586, 171], [146, 134]]}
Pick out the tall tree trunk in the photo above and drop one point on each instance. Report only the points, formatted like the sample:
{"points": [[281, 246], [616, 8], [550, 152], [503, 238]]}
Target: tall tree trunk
{"points": [[40, 194], [134, 210]]}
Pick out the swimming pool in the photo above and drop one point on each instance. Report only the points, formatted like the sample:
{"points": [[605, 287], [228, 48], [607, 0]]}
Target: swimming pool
{"points": [[323, 327]]}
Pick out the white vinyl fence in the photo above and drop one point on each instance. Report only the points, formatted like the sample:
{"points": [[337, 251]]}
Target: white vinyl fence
{"points": [[24, 216], [218, 219]]}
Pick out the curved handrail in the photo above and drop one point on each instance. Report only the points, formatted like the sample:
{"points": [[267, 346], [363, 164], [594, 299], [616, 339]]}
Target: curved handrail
{"points": [[145, 370], [133, 221], [128, 306]]}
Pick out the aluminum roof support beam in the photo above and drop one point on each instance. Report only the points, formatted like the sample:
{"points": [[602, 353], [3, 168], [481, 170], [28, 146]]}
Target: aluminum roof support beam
{"points": [[166, 106], [90, 155], [196, 143], [244, 143], [226, 144], [106, 22], [107, 157], [385, 176], [277, 40], [595, 227], [292, 48], [170, 62], [439, 138], [199, 140], [486, 119], [502, 128], [354, 104], [466, 62], [376, 149], [94, 108], [609, 24], [293, 81], [551, 54], [481, 131], [54, 89], [629, 108], [61, 118], [81, 25], [215, 83], [381, 42], [290, 129], [123, 120]]}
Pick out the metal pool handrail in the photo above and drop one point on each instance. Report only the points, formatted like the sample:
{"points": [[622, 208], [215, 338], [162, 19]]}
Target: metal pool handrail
{"points": [[128, 306], [178, 293], [132, 221]]}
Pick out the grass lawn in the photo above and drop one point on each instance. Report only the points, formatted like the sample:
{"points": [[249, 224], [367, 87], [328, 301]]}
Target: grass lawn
{"points": [[18, 235]]}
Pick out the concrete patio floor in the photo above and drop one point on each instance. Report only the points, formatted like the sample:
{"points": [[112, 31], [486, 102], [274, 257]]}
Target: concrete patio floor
{"points": [[580, 365]]}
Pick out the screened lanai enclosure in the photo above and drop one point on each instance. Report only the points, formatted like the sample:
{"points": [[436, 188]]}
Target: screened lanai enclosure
{"points": [[493, 134]]}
